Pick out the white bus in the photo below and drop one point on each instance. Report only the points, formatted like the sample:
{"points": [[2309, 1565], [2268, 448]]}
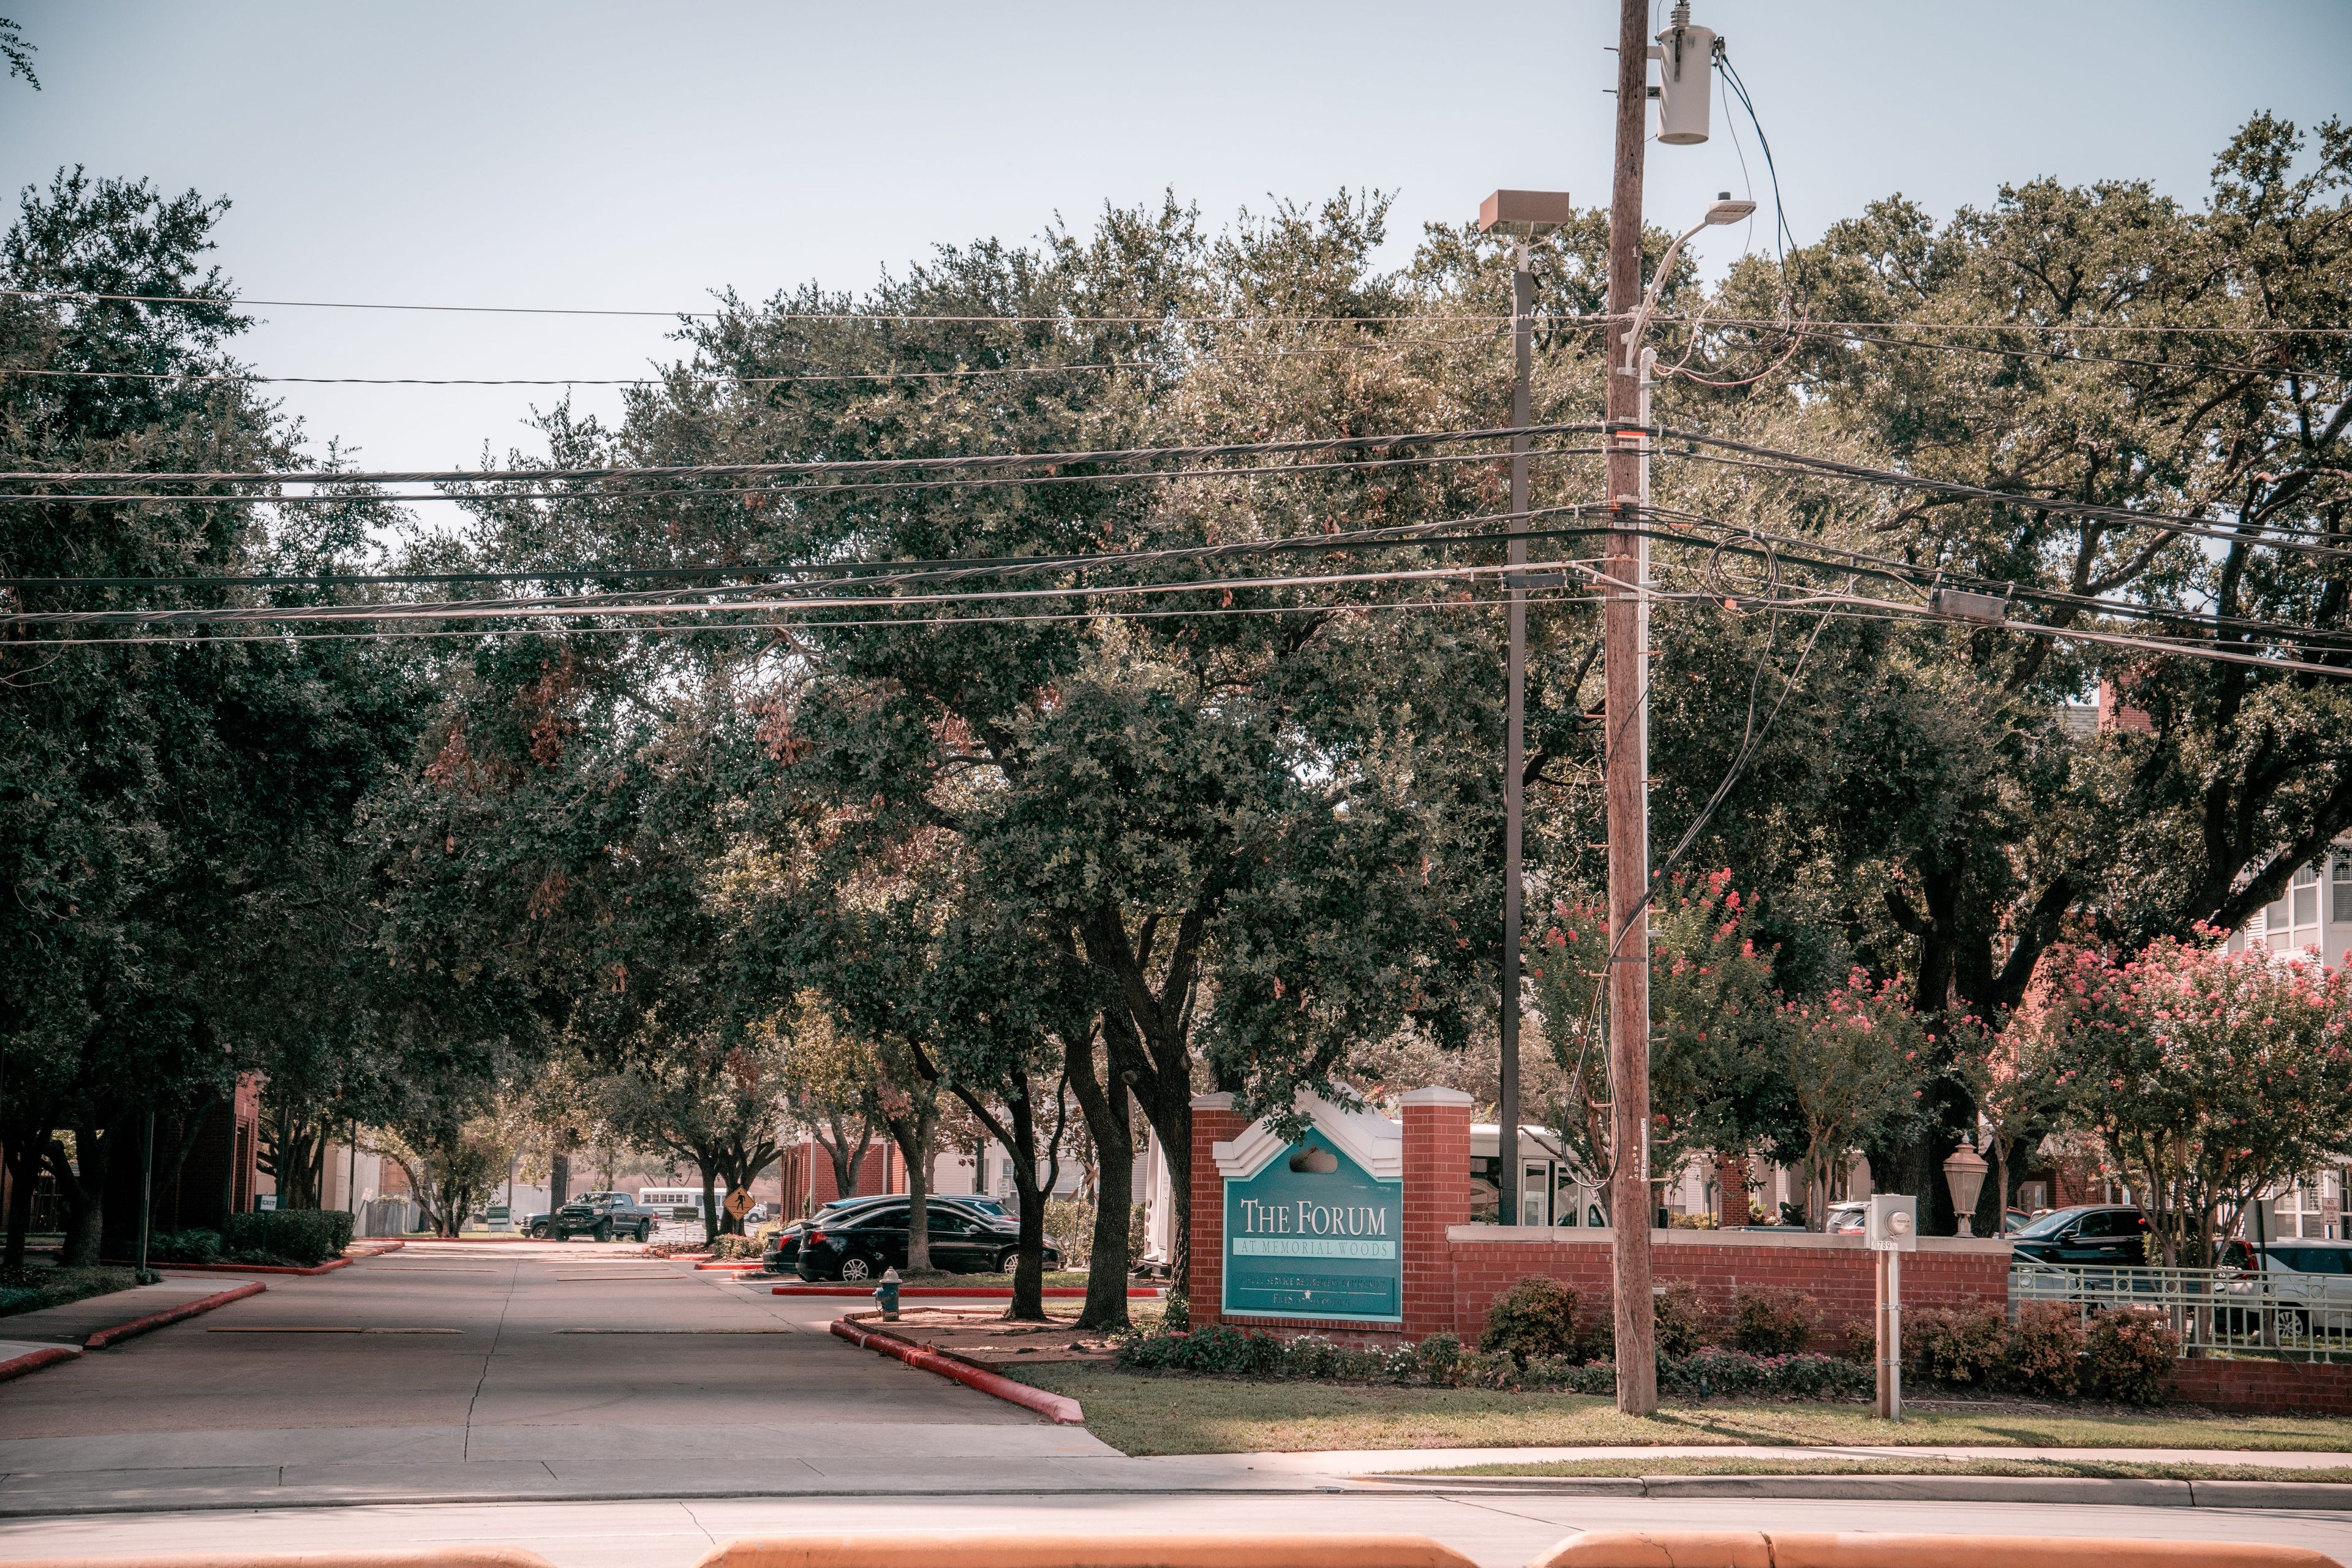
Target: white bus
{"points": [[675, 1199]]}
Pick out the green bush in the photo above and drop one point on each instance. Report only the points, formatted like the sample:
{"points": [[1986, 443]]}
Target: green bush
{"points": [[2127, 1355], [1070, 1230], [2045, 1351], [303, 1237], [1772, 1323], [726, 1247], [1682, 1320], [1536, 1316], [191, 1245], [1960, 1347]]}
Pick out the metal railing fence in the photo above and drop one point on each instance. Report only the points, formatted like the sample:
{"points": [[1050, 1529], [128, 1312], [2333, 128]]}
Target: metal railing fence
{"points": [[2304, 1317]]}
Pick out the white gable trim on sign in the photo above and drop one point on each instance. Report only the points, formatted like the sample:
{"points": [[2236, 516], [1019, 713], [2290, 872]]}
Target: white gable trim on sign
{"points": [[1365, 1136]]}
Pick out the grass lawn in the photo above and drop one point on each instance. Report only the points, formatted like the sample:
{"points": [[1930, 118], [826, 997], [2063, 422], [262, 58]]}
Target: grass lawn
{"points": [[31, 1289], [1150, 1413], [2105, 1471]]}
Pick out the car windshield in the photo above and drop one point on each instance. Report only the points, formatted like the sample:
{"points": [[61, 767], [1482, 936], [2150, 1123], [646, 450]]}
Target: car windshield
{"points": [[2048, 1224]]}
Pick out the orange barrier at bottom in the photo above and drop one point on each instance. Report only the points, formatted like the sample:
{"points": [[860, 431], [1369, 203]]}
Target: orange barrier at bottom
{"points": [[976, 1549], [448, 1557], [1856, 1549]]}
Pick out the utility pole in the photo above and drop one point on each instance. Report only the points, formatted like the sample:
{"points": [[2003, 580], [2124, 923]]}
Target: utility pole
{"points": [[1626, 742], [1524, 214]]}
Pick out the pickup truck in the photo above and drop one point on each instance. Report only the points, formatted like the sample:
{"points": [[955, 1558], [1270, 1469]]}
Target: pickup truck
{"points": [[602, 1215]]}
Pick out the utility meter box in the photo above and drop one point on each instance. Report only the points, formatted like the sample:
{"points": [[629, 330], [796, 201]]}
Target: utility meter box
{"points": [[1893, 1223]]}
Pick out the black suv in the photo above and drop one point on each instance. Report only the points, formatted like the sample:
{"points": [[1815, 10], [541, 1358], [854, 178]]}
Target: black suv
{"points": [[2100, 1235], [860, 1243], [602, 1215]]}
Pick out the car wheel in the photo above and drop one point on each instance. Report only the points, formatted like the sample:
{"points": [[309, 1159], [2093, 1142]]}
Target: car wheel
{"points": [[1009, 1260], [2292, 1324], [538, 1233], [604, 1231], [856, 1268], [644, 1231]]}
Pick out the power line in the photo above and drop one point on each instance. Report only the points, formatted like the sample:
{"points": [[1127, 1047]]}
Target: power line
{"points": [[1168, 318], [917, 623], [1387, 536], [853, 317], [856, 465], [1799, 462], [709, 378], [1357, 465]]}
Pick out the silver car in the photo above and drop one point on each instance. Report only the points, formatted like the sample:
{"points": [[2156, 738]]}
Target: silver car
{"points": [[2309, 1283]]}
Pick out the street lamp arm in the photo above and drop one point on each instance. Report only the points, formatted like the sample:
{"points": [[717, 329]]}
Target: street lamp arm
{"points": [[1650, 299]]}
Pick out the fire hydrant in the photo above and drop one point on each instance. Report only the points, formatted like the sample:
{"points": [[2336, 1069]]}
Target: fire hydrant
{"points": [[887, 1297]]}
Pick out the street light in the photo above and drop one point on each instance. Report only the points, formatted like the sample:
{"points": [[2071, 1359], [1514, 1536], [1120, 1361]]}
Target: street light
{"points": [[1964, 1172], [1724, 211], [1523, 214]]}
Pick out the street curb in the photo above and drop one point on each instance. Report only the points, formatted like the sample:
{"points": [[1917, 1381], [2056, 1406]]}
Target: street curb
{"points": [[1055, 1408], [359, 1252], [254, 1268], [2283, 1495], [153, 1321], [33, 1361], [2100, 1491], [960, 1292]]}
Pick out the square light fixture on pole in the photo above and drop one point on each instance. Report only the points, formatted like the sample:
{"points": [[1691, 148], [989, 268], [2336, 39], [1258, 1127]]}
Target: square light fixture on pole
{"points": [[1525, 214], [1521, 215]]}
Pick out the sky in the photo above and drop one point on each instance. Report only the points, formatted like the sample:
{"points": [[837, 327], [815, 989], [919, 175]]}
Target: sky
{"points": [[584, 154]]}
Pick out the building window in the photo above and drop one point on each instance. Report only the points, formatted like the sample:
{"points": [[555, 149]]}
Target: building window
{"points": [[2339, 908]]}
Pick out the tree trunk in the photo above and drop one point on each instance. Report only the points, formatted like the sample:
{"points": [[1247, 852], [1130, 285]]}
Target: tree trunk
{"points": [[1114, 1144], [913, 1133], [1161, 1081], [559, 1182], [84, 1185], [707, 1163], [1029, 1275]]}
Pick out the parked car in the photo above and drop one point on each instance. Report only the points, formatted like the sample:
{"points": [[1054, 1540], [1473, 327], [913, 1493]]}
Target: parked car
{"points": [[601, 1215], [783, 1254], [2310, 1282], [2109, 1235], [861, 1243], [1846, 1217]]}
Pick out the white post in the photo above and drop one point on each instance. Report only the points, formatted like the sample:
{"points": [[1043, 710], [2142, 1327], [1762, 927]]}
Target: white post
{"points": [[1894, 1335]]}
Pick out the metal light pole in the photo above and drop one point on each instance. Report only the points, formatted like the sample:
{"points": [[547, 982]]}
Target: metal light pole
{"points": [[1522, 215]]}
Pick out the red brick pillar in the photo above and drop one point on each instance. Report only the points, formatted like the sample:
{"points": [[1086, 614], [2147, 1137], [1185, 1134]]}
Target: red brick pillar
{"points": [[1436, 1195], [1214, 1121]]}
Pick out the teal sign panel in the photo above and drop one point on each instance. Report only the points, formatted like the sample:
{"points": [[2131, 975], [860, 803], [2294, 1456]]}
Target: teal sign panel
{"points": [[1312, 1235]]}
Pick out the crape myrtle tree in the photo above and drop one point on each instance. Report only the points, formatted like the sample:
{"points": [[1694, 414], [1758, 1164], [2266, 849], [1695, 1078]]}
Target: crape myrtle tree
{"points": [[162, 804], [2209, 1076], [1720, 1078]]}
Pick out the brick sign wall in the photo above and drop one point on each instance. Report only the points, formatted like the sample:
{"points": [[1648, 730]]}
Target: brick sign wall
{"points": [[1453, 1268]]}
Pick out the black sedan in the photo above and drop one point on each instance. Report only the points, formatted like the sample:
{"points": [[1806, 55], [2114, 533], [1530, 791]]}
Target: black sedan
{"points": [[2102, 1235], [861, 1243]]}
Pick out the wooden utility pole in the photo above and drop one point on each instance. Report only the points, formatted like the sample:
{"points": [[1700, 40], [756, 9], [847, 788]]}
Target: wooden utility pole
{"points": [[1623, 630]]}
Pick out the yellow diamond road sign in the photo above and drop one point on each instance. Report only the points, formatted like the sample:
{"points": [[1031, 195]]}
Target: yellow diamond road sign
{"points": [[739, 1202]]}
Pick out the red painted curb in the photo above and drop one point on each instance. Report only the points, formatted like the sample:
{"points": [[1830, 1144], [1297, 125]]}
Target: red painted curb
{"points": [[358, 1250], [1053, 1406], [733, 1263], [33, 1361], [137, 1326], [965, 1292]]}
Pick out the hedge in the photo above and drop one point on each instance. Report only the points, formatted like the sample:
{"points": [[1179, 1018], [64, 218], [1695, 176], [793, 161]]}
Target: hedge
{"points": [[1440, 1362], [300, 1236]]}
